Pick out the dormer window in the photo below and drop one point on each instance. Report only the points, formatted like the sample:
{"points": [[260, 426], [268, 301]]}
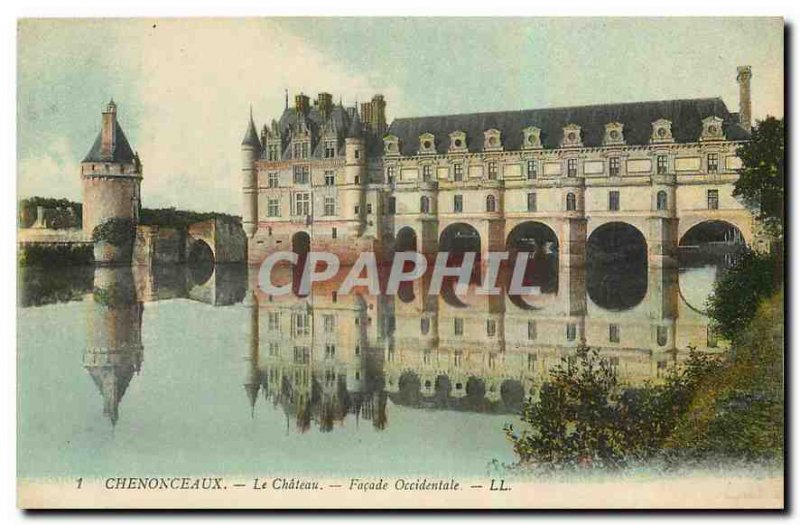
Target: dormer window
{"points": [[572, 136], [330, 148], [491, 140], [613, 136], [712, 129], [458, 141], [391, 145], [531, 138], [427, 143], [274, 151], [300, 150], [662, 131]]}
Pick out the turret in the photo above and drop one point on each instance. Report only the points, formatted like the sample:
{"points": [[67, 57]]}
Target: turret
{"points": [[111, 175], [251, 152]]}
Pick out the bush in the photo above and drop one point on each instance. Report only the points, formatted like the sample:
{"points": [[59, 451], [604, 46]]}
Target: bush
{"points": [[740, 290], [115, 231], [583, 419], [171, 217], [54, 254]]}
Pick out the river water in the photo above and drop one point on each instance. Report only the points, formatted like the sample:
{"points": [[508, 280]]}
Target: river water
{"points": [[173, 371]]}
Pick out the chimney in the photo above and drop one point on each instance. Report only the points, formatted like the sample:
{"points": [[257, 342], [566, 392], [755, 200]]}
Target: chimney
{"points": [[373, 114], [108, 139], [743, 76], [301, 102], [324, 104]]}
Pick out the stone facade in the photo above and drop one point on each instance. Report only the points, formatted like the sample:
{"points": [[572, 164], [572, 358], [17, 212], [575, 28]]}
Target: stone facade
{"points": [[322, 179]]}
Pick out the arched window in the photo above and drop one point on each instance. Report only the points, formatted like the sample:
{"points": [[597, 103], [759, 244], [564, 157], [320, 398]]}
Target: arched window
{"points": [[424, 204], [424, 325], [661, 335], [571, 205], [491, 203], [661, 200]]}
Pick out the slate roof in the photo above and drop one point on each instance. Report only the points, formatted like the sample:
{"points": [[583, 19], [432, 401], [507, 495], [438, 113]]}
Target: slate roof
{"points": [[251, 136], [122, 151], [637, 117]]}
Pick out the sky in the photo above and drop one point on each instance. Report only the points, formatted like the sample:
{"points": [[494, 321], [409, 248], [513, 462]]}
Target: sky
{"points": [[184, 87]]}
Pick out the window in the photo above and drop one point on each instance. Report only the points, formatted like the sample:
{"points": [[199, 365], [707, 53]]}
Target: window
{"points": [[424, 325], [532, 330], [357, 153], [330, 351], [369, 208], [330, 206], [571, 331], [274, 322], [457, 356], [661, 200], [301, 355], [391, 205], [661, 164], [571, 203], [613, 333], [713, 162], [424, 205], [531, 362], [427, 172], [273, 152], [357, 179], [330, 178], [661, 335], [458, 326], [531, 202], [458, 172], [572, 167], [491, 328], [458, 203], [330, 149], [302, 204], [301, 174], [492, 170], [334, 233], [272, 179], [613, 166], [613, 200], [491, 203], [273, 208], [390, 174], [300, 150], [301, 324], [713, 199], [274, 349], [334, 297], [532, 172], [329, 323]]}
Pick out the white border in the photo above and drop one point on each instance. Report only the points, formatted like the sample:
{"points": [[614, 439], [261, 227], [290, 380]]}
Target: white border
{"points": [[97, 8]]}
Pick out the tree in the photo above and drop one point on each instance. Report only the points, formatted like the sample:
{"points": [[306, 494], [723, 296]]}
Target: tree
{"points": [[740, 290], [761, 177]]}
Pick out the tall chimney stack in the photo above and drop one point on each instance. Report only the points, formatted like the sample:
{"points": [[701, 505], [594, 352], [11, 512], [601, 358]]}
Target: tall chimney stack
{"points": [[109, 134], [743, 76]]}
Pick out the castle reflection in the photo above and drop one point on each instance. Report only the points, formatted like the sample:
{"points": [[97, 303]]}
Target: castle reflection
{"points": [[325, 358]]}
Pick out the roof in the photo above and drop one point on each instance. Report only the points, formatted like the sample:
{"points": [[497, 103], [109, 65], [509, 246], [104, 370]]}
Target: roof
{"points": [[637, 117], [251, 136], [122, 150]]}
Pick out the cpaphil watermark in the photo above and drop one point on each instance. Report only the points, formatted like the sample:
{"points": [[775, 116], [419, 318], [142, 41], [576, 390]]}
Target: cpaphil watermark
{"points": [[406, 267]]}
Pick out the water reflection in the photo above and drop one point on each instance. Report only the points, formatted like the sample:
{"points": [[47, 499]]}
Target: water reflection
{"points": [[326, 359]]}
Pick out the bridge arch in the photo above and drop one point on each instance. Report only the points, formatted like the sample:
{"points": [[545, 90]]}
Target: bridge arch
{"points": [[743, 224], [617, 267], [713, 231], [406, 240], [460, 237]]}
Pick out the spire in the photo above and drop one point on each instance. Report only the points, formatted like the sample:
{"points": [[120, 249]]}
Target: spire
{"points": [[355, 130], [251, 135]]}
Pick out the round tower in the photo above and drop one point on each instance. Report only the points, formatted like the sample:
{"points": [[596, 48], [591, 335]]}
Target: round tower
{"points": [[251, 152], [111, 176], [353, 195]]}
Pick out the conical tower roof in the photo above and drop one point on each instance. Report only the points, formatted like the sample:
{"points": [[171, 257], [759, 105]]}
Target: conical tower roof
{"points": [[251, 135], [355, 131]]}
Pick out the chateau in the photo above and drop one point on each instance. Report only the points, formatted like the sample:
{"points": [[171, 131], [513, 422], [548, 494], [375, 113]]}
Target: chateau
{"points": [[328, 177]]}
